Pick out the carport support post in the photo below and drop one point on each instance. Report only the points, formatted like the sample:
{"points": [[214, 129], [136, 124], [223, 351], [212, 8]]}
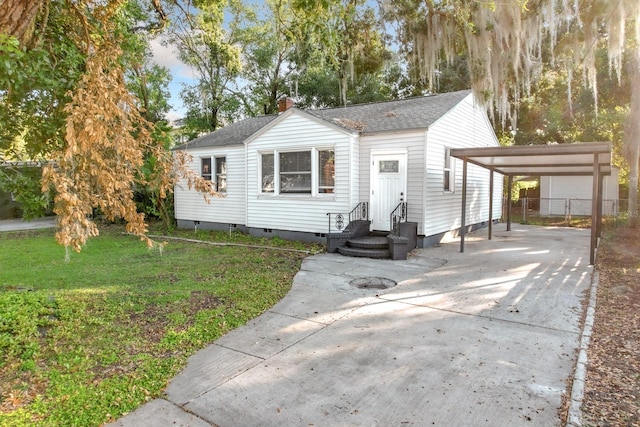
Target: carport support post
{"points": [[600, 201], [490, 203], [594, 209], [509, 184], [463, 225]]}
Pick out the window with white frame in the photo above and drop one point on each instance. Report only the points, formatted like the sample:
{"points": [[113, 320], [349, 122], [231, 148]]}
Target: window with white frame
{"points": [[205, 168], [221, 174], [308, 172], [448, 179], [326, 171], [267, 175], [295, 172]]}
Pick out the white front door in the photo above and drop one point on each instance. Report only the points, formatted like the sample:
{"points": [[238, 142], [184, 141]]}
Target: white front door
{"points": [[388, 187]]}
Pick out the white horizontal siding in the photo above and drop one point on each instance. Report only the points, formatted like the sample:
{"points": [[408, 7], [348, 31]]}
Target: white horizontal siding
{"points": [[433, 209], [411, 143], [190, 205], [465, 126], [560, 195], [355, 172], [299, 212], [577, 187]]}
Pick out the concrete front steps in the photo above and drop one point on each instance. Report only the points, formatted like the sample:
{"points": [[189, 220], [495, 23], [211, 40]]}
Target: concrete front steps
{"points": [[357, 241], [371, 246]]}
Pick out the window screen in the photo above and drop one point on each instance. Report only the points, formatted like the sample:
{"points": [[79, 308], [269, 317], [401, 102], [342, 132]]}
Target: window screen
{"points": [[326, 171], [295, 172]]}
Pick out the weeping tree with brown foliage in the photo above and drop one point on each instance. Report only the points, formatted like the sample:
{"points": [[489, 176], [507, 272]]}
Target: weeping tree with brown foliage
{"points": [[98, 140], [508, 41], [106, 141]]}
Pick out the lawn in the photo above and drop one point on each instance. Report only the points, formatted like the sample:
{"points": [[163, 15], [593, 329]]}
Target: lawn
{"points": [[85, 341]]}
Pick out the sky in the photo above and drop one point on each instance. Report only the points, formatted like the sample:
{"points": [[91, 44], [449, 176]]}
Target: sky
{"points": [[166, 56]]}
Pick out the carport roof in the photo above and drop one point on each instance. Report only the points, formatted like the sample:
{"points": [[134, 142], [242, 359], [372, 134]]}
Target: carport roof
{"points": [[541, 160], [585, 158]]}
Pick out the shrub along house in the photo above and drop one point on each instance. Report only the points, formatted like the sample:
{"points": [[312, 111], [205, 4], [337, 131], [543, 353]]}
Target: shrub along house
{"points": [[307, 174]]}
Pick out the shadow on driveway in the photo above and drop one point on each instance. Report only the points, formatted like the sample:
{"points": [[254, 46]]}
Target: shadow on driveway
{"points": [[487, 337]]}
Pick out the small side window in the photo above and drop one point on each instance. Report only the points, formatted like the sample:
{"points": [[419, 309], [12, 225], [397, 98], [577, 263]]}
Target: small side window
{"points": [[326, 170], [266, 164], [448, 184], [221, 174], [205, 168]]}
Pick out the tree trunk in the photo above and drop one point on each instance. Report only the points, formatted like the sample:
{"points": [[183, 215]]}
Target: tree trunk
{"points": [[343, 82], [18, 18], [632, 140], [634, 155]]}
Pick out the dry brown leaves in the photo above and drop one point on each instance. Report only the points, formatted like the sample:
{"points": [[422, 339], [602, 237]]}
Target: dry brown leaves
{"points": [[107, 141], [19, 388], [612, 390], [194, 181]]}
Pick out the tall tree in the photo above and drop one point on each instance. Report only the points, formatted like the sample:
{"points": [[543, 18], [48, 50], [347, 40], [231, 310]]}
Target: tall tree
{"points": [[18, 18], [548, 115], [347, 35], [504, 43], [36, 77], [270, 64], [146, 80], [149, 83], [97, 139], [210, 44], [632, 138]]}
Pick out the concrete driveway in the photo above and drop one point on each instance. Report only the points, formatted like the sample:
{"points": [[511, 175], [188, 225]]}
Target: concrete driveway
{"points": [[482, 338]]}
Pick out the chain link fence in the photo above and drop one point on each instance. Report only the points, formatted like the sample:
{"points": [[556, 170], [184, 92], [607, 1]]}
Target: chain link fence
{"points": [[567, 208]]}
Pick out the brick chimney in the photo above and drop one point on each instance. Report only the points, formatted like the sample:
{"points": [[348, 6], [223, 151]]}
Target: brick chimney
{"points": [[284, 104]]}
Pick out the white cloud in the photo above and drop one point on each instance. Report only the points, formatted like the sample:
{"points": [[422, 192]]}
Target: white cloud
{"points": [[173, 116], [166, 55]]}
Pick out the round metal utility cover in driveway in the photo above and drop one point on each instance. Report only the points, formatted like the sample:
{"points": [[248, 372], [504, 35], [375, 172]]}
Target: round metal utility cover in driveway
{"points": [[372, 283]]}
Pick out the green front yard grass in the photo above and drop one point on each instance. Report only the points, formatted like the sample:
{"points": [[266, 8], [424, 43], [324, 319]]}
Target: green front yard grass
{"points": [[83, 342]]}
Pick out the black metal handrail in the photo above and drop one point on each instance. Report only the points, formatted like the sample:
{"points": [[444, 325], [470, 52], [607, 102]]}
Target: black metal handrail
{"points": [[360, 212], [398, 215]]}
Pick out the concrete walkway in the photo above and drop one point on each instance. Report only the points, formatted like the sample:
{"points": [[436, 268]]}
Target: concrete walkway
{"points": [[484, 338], [20, 224]]}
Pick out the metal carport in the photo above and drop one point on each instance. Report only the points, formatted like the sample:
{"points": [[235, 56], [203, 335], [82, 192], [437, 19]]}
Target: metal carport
{"points": [[586, 158]]}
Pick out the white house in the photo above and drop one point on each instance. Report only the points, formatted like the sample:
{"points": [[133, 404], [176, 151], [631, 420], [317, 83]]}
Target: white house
{"points": [[290, 175], [571, 195]]}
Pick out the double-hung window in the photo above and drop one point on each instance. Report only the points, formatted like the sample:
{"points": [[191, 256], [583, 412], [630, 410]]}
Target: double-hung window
{"points": [[295, 172], [326, 171], [309, 172], [215, 170], [268, 174], [221, 174], [205, 168]]}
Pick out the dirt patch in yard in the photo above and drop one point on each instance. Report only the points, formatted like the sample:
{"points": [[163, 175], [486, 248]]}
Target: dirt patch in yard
{"points": [[153, 324]]}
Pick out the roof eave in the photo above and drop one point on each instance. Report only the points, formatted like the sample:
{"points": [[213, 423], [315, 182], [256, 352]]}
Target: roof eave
{"points": [[392, 131]]}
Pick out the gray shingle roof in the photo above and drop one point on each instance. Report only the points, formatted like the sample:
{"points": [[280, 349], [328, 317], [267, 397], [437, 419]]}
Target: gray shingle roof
{"points": [[235, 133], [403, 114]]}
